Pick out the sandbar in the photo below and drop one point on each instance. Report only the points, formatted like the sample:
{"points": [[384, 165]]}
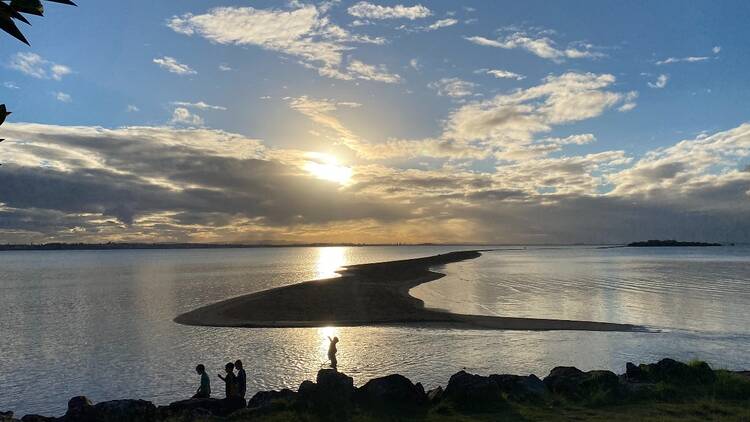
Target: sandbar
{"points": [[368, 294]]}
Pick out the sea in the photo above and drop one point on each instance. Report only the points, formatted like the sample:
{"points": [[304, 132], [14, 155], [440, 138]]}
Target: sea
{"points": [[100, 323]]}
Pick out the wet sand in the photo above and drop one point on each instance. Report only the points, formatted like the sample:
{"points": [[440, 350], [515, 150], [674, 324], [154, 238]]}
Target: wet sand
{"points": [[368, 294]]}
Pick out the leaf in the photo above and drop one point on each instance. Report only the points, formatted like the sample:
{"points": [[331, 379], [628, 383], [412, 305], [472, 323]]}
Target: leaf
{"points": [[7, 25], [64, 2], [9, 11], [32, 7], [3, 113]]}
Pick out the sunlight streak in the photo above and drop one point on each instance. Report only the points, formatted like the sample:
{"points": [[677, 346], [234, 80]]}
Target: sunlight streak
{"points": [[326, 167], [330, 259]]}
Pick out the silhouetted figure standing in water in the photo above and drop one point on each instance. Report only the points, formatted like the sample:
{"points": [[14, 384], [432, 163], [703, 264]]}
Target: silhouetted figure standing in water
{"points": [[230, 380], [332, 351], [241, 378], [204, 391]]}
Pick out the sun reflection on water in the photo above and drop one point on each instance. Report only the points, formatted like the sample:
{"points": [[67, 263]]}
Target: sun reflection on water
{"points": [[330, 259]]}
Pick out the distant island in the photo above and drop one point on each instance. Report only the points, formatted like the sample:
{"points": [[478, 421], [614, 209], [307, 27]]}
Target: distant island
{"points": [[668, 243]]}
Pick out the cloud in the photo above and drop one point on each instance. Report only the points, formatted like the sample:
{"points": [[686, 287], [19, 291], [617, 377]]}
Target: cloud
{"points": [[63, 97], [225, 67], [691, 59], [367, 10], [540, 46], [689, 167], [170, 64], [453, 87], [10, 85], [35, 66], [166, 184], [162, 183], [442, 23], [183, 116], [512, 120], [629, 102], [304, 32], [132, 108], [368, 72], [414, 64], [661, 82], [504, 74], [200, 105]]}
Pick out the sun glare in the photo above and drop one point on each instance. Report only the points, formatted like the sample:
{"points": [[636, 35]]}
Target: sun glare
{"points": [[326, 167]]}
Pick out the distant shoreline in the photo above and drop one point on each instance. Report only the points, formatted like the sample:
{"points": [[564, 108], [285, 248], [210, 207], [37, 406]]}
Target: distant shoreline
{"points": [[669, 244], [368, 294]]}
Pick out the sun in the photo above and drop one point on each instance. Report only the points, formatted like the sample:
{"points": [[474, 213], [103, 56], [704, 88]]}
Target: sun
{"points": [[327, 167]]}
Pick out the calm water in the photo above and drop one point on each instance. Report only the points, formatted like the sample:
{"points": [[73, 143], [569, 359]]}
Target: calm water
{"points": [[100, 323]]}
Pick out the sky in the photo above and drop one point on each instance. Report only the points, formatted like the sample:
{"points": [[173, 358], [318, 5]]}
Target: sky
{"points": [[378, 122]]}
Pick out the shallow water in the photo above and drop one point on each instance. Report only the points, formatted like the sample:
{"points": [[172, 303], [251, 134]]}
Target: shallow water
{"points": [[100, 323]]}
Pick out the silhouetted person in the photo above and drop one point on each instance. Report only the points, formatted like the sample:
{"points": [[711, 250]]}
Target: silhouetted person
{"points": [[332, 351], [241, 378], [230, 381], [204, 391]]}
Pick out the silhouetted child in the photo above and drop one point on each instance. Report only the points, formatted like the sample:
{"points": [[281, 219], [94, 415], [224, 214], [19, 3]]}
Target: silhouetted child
{"points": [[204, 391], [230, 381], [332, 351], [241, 378]]}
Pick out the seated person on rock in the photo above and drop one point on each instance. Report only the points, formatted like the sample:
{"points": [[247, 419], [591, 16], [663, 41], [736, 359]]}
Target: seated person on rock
{"points": [[204, 391]]}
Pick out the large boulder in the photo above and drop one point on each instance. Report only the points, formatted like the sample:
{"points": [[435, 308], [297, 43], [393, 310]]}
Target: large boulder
{"points": [[473, 391], [125, 411], [267, 398], [7, 416], [330, 397], [196, 407], [80, 408], [37, 418], [334, 386], [435, 395], [564, 380], [573, 383], [517, 387], [671, 371], [391, 391]]}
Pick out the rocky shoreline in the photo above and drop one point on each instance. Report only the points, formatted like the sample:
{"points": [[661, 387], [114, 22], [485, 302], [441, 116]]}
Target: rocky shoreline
{"points": [[333, 396]]}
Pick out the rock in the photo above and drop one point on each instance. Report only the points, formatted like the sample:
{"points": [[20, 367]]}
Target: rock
{"points": [[435, 395], [125, 411], [80, 408], [633, 373], [331, 397], [518, 387], [216, 407], [7, 416], [564, 380], [37, 418], [473, 391], [334, 386], [391, 390], [265, 398], [673, 372], [573, 383], [307, 390]]}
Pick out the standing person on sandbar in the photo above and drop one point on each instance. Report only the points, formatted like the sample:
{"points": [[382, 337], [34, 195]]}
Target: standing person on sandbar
{"points": [[332, 351]]}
